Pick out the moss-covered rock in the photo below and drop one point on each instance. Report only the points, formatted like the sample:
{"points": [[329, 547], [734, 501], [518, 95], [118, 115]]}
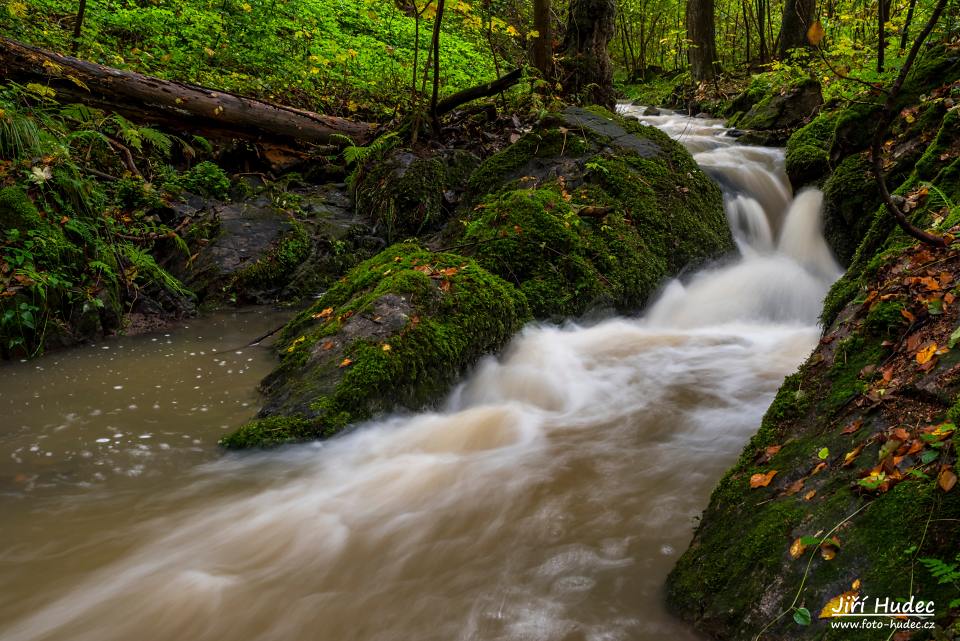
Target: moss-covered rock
{"points": [[405, 194], [17, 211], [808, 150], [592, 210], [565, 264], [397, 331], [850, 199], [784, 109]]}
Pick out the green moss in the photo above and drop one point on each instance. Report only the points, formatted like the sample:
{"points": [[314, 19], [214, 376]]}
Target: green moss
{"points": [[850, 198], [563, 263], [275, 268], [947, 136], [205, 179], [17, 211], [551, 143], [402, 193], [884, 318], [808, 157], [852, 355], [397, 331]]}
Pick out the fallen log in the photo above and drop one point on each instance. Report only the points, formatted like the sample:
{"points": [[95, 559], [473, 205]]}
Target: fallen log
{"points": [[172, 103], [480, 91]]}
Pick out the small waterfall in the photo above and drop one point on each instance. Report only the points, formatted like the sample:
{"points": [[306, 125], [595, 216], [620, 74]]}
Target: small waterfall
{"points": [[785, 266]]}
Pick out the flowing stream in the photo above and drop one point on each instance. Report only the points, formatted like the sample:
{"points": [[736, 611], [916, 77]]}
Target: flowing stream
{"points": [[547, 500]]}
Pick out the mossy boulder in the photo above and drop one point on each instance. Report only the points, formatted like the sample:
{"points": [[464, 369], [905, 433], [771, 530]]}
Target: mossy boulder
{"points": [[396, 332], [592, 210], [850, 199], [405, 194], [565, 264], [17, 211], [808, 150], [787, 109]]}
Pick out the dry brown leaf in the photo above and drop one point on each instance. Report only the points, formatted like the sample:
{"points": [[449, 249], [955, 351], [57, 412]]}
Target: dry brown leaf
{"points": [[852, 427], [809, 495], [762, 480], [906, 313], [794, 487], [946, 479], [815, 33], [324, 314], [326, 345], [852, 455]]}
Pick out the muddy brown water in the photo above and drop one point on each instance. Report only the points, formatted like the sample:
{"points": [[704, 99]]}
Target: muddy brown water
{"points": [[546, 500]]}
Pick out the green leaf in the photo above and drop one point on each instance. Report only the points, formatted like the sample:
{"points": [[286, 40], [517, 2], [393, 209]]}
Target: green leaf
{"points": [[954, 338], [823, 453], [809, 540], [802, 616], [929, 456]]}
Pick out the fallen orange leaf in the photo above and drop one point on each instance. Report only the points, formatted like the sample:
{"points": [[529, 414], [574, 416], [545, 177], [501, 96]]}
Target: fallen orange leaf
{"points": [[925, 354], [345, 362], [809, 495], [796, 549], [762, 480]]}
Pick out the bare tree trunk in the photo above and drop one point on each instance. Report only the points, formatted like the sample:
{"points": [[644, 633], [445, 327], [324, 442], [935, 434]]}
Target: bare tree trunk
{"points": [[543, 44], [702, 52], [436, 67], [904, 37], [883, 15], [797, 18], [78, 27], [175, 104], [588, 72]]}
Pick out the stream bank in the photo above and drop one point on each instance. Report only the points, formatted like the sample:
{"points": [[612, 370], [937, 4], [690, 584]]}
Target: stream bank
{"points": [[848, 488]]}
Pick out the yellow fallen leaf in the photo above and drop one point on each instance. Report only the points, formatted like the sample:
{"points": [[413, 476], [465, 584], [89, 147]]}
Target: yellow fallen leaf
{"points": [[839, 604], [345, 362], [797, 548], [856, 584], [386, 347], [809, 495], [762, 480], [925, 354]]}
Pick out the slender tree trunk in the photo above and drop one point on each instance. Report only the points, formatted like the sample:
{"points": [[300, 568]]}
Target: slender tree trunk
{"points": [[904, 37], [436, 67], [883, 15], [543, 44], [588, 73], [746, 29], [797, 18], [701, 33], [761, 33], [78, 27]]}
